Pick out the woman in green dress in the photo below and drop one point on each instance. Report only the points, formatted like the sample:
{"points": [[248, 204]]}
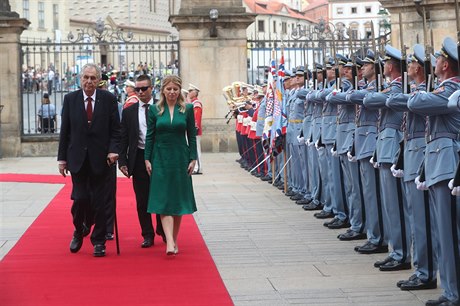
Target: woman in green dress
{"points": [[170, 157]]}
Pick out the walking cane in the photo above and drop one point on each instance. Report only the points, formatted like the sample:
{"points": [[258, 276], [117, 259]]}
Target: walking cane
{"points": [[116, 231]]}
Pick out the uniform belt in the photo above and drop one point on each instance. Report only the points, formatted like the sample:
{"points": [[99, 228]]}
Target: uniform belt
{"points": [[364, 123], [434, 136], [329, 114], [409, 136], [390, 125], [344, 121], [295, 121]]}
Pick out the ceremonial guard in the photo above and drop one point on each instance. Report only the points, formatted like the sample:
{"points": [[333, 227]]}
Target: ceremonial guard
{"points": [[193, 92], [421, 219], [344, 143], [441, 159], [364, 146]]}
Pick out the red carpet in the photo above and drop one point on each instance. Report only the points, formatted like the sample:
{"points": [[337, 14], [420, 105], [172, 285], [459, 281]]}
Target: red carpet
{"points": [[40, 270]]}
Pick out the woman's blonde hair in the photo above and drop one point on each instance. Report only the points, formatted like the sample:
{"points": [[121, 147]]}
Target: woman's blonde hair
{"points": [[180, 100]]}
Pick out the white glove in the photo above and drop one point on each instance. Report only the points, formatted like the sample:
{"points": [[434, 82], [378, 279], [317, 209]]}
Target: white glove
{"points": [[318, 148], [396, 172], [300, 139], [374, 164], [455, 189], [334, 152], [420, 185], [351, 158], [307, 142]]}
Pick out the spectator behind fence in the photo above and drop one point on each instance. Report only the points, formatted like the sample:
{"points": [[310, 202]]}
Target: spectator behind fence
{"points": [[46, 116]]}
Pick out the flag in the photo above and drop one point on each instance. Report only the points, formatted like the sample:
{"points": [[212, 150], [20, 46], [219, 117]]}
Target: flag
{"points": [[270, 98], [278, 103]]}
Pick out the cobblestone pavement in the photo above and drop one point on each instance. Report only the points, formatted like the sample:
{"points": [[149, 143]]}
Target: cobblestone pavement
{"points": [[267, 249]]}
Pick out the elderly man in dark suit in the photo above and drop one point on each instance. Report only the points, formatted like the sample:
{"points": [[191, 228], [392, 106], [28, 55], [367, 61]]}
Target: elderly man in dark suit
{"points": [[131, 163], [88, 146]]}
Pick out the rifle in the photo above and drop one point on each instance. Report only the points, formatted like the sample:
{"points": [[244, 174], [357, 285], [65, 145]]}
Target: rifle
{"points": [[405, 90], [377, 66], [354, 70], [314, 72], [457, 13], [337, 72], [429, 74]]}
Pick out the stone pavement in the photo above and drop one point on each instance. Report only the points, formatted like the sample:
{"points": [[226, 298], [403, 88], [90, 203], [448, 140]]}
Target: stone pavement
{"points": [[267, 249]]}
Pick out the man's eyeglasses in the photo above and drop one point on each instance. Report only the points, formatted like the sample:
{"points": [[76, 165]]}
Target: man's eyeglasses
{"points": [[143, 88]]}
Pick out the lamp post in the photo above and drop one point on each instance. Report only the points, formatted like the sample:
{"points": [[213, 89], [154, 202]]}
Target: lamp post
{"points": [[213, 15]]}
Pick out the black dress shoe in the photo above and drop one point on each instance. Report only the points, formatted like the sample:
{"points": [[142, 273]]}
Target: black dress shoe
{"points": [[303, 201], [86, 230], [297, 197], [312, 206], [326, 224], [370, 248], [99, 250], [411, 278], [418, 284], [395, 265], [76, 243], [439, 301], [265, 178], [324, 215], [379, 263], [290, 193], [339, 224], [109, 236], [351, 235], [147, 243], [450, 303]]}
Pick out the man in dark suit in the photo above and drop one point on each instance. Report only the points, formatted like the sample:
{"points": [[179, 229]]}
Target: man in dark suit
{"points": [[88, 146], [131, 162]]}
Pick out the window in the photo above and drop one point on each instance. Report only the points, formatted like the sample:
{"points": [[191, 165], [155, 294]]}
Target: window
{"points": [[25, 9], [284, 28], [368, 9], [41, 15], [274, 26], [153, 6], [339, 10], [55, 16], [354, 10], [261, 26]]}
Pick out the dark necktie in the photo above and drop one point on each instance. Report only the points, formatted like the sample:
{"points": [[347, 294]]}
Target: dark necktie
{"points": [[89, 109], [146, 109]]}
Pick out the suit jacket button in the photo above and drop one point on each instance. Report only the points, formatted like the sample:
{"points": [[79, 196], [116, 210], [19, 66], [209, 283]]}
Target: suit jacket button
{"points": [[437, 150]]}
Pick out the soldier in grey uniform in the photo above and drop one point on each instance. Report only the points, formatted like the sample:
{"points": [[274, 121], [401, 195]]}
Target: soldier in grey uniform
{"points": [[328, 134], [364, 146], [314, 97], [441, 159], [313, 185], [345, 136], [260, 130], [297, 164], [420, 216], [396, 216]]}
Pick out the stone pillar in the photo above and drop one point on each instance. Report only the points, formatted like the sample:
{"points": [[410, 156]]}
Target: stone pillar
{"points": [[11, 27], [211, 63], [441, 18]]}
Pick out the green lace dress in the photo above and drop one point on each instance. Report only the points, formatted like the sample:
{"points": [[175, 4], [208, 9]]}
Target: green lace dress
{"points": [[170, 146]]}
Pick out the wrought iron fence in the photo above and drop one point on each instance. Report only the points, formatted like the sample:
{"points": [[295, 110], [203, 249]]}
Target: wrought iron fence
{"points": [[307, 46], [55, 69]]}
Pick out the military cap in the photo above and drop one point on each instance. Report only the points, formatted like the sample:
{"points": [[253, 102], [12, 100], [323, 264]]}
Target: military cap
{"points": [[318, 67], [370, 57], [287, 74], [448, 49], [341, 59], [392, 53], [329, 63], [129, 83], [193, 87], [300, 71], [359, 62], [419, 56]]}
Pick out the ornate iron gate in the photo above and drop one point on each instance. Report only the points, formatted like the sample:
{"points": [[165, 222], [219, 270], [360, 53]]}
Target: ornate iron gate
{"points": [[125, 59]]}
